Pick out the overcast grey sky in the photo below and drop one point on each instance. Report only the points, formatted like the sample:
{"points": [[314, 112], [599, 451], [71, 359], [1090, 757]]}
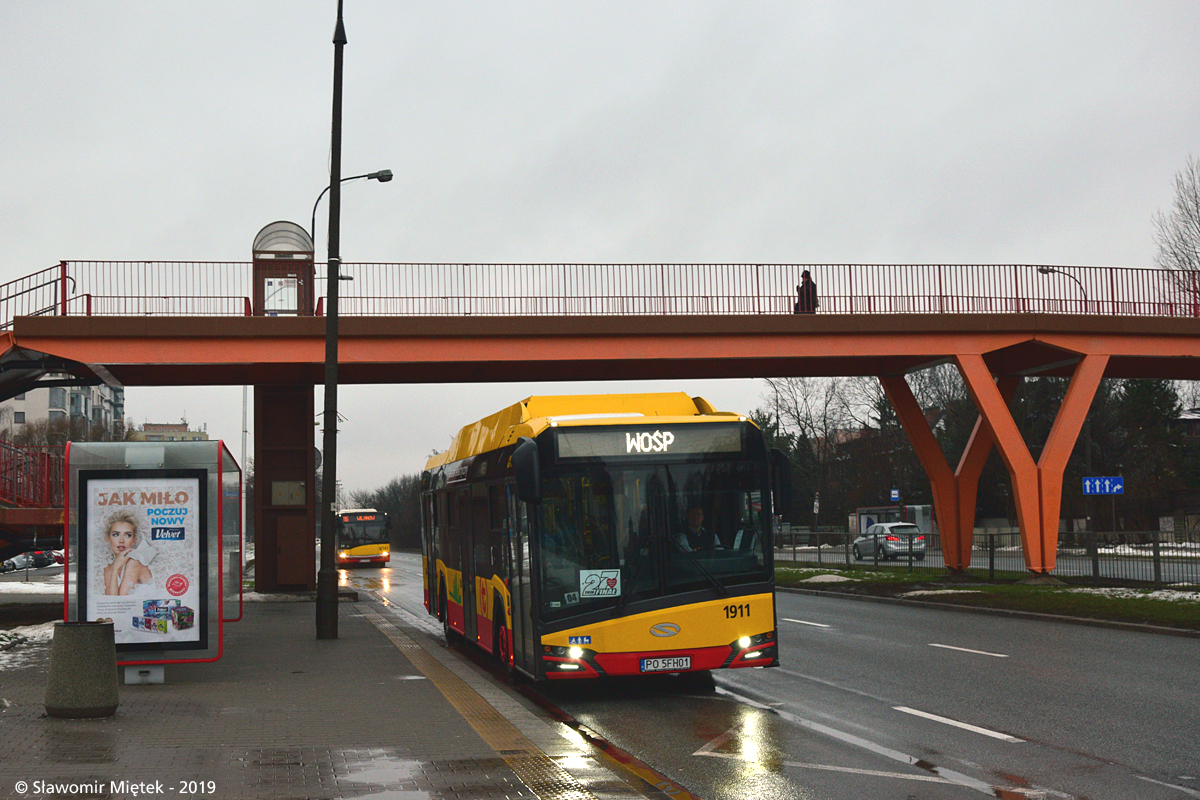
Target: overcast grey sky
{"points": [[1025, 132]]}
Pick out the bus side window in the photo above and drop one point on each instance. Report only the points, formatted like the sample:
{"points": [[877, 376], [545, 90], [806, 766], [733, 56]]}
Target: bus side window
{"points": [[499, 503], [498, 500]]}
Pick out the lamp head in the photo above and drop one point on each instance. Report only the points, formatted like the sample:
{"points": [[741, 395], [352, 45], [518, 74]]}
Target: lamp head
{"points": [[383, 176], [1046, 270]]}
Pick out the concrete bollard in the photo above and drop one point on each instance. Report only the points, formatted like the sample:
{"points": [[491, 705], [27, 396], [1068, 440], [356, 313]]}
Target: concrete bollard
{"points": [[83, 671]]}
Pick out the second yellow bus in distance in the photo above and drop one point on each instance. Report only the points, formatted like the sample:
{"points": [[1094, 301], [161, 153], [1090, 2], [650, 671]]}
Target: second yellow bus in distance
{"points": [[581, 536], [363, 537]]}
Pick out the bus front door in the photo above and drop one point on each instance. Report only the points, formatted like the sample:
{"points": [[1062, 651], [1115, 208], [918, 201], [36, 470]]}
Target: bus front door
{"points": [[466, 560], [520, 584], [479, 562]]}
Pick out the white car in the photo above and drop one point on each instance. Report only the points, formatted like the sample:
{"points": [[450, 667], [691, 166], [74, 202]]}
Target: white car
{"points": [[33, 559], [890, 540]]}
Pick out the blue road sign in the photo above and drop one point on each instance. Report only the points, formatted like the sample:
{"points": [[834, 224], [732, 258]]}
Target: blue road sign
{"points": [[1104, 485]]}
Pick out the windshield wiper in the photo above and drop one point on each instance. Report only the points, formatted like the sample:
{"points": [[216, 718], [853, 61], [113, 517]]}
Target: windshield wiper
{"points": [[720, 587], [619, 609]]}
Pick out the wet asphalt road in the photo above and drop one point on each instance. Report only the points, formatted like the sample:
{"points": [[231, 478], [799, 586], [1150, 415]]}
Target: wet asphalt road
{"points": [[875, 700]]}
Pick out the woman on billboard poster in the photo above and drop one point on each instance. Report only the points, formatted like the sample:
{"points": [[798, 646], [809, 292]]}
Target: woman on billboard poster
{"points": [[128, 569]]}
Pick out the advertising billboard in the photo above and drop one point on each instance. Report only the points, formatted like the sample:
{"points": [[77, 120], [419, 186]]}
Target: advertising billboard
{"points": [[143, 556]]}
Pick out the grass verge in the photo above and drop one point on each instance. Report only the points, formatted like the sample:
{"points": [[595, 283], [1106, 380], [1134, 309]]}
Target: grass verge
{"points": [[1177, 607]]}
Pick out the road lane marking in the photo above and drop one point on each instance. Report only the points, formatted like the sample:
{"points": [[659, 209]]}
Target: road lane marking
{"points": [[831, 768], [833, 685], [1184, 789], [802, 622], [881, 750], [969, 650], [965, 726]]}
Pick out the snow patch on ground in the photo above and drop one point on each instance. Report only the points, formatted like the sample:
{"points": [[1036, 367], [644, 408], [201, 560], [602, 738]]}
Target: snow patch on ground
{"points": [[32, 587], [917, 592], [1165, 549], [826, 578], [1166, 595], [1169, 595], [23, 644], [255, 597]]}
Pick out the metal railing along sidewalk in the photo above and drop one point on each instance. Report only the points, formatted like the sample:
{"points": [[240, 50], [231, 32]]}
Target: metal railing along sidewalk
{"points": [[1147, 557]]}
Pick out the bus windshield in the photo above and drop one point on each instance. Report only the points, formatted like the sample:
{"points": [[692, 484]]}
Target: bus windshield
{"points": [[362, 529], [614, 534]]}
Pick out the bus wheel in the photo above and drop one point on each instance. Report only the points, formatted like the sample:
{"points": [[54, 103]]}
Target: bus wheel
{"points": [[444, 613], [502, 647]]}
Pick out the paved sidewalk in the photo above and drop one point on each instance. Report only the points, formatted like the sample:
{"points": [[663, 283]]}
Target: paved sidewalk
{"points": [[385, 711]]}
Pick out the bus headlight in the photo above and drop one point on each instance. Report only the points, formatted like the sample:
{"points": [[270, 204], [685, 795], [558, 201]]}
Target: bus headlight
{"points": [[575, 652], [744, 642]]}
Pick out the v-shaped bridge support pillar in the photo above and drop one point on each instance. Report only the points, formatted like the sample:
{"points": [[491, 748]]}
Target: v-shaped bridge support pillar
{"points": [[954, 493], [1037, 487]]}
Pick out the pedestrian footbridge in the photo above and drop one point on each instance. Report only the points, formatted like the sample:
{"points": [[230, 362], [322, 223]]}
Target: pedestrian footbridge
{"points": [[263, 323]]}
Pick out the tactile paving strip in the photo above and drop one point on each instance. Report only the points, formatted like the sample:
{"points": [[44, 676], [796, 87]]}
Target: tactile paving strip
{"points": [[538, 771]]}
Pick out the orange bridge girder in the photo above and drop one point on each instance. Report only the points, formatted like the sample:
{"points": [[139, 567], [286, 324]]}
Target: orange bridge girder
{"points": [[992, 352]]}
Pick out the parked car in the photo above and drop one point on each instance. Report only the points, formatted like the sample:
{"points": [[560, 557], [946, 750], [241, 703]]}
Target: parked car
{"points": [[33, 559], [59, 557], [890, 540]]}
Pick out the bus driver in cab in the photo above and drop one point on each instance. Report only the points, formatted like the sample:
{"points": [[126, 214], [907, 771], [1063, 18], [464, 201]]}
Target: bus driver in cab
{"points": [[696, 537]]}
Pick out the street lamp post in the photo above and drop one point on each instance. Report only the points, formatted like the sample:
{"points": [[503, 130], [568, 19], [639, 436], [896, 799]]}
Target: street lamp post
{"points": [[1083, 291], [327, 621], [327, 608], [383, 176]]}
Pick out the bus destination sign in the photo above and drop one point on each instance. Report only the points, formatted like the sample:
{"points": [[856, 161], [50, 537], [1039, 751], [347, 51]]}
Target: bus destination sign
{"points": [[676, 440]]}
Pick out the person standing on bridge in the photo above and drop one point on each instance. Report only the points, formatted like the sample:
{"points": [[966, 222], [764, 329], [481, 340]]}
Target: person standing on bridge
{"points": [[806, 295]]}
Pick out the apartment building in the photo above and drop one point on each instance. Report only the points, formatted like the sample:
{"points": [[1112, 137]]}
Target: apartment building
{"points": [[57, 413], [167, 432]]}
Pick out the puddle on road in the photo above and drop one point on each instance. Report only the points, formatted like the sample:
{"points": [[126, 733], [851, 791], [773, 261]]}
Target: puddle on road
{"points": [[384, 771]]}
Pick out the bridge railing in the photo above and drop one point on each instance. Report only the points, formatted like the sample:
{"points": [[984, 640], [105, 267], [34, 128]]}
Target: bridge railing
{"points": [[120, 288], [31, 477]]}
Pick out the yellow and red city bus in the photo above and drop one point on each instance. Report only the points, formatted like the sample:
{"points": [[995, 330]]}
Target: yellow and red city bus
{"points": [[363, 537], [580, 536]]}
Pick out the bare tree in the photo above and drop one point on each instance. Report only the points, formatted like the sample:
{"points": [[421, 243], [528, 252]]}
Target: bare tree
{"points": [[400, 499], [817, 408], [1189, 394], [1178, 233], [815, 414]]}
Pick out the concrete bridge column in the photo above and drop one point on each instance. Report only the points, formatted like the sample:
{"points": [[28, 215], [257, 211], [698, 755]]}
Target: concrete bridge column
{"points": [[284, 489]]}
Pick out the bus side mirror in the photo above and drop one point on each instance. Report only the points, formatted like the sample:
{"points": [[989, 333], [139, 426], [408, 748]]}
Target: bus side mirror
{"points": [[781, 482], [525, 465]]}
